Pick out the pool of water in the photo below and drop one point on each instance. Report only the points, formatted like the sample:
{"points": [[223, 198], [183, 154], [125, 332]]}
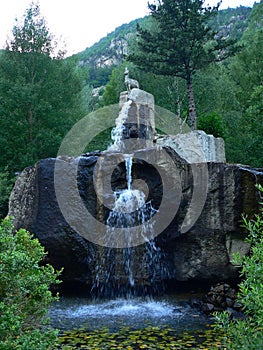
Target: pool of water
{"points": [[136, 313]]}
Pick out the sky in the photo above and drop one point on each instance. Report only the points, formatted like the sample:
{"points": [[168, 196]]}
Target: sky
{"points": [[81, 23]]}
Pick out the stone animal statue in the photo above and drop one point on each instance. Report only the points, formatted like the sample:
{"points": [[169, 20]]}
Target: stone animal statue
{"points": [[130, 83]]}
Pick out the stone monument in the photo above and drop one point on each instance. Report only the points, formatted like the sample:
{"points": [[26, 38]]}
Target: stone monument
{"points": [[195, 172]]}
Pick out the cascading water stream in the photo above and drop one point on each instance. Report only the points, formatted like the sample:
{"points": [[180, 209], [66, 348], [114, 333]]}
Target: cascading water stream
{"points": [[128, 165], [134, 269]]}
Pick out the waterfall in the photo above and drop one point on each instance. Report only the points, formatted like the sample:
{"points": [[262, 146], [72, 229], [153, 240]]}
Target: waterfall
{"points": [[132, 270]]}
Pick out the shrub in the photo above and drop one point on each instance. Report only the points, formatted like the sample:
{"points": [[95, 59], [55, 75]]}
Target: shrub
{"points": [[247, 333], [24, 291], [211, 124]]}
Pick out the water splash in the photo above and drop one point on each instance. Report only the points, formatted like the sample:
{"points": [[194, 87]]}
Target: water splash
{"points": [[136, 313]]}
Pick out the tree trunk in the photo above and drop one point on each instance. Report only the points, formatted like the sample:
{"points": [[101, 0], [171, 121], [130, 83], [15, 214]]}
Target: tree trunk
{"points": [[30, 126], [191, 104]]}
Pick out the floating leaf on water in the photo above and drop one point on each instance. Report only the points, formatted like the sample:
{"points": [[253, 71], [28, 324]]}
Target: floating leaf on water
{"points": [[149, 338]]}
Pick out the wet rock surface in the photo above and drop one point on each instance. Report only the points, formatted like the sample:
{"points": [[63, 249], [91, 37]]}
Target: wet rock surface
{"points": [[202, 251]]}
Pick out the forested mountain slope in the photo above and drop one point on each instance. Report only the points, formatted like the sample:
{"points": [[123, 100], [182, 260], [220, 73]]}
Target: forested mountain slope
{"points": [[108, 52]]}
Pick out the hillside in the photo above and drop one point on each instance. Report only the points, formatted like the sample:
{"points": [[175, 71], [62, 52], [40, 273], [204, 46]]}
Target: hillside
{"points": [[103, 56], [108, 52]]}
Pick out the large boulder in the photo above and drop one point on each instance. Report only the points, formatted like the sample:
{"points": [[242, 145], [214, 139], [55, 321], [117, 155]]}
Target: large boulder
{"points": [[195, 146], [199, 207]]}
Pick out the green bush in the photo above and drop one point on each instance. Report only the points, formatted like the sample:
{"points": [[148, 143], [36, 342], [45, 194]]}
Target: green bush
{"points": [[247, 333], [211, 123], [24, 292]]}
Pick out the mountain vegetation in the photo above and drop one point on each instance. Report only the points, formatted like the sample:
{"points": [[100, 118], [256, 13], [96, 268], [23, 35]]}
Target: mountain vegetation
{"points": [[100, 59]]}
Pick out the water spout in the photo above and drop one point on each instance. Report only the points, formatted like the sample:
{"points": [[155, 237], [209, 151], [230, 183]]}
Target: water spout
{"points": [[128, 163]]}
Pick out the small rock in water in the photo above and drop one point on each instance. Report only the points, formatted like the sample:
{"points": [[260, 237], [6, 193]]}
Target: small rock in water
{"points": [[208, 308], [220, 297]]}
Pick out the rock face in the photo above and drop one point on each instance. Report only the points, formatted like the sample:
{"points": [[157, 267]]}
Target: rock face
{"points": [[135, 125], [195, 146], [199, 208]]}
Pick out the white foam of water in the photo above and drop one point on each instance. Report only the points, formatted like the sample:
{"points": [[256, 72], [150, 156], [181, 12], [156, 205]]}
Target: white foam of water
{"points": [[136, 313], [128, 200], [117, 132], [122, 307]]}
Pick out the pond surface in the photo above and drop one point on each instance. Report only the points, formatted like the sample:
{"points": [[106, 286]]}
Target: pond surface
{"points": [[136, 313]]}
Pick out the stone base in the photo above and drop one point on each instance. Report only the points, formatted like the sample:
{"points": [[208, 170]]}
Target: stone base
{"points": [[202, 253]]}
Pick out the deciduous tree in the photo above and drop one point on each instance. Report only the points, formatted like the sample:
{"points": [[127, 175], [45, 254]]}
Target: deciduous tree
{"points": [[39, 94]]}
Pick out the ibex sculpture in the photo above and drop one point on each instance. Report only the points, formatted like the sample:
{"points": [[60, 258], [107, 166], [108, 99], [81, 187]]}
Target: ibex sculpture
{"points": [[130, 83]]}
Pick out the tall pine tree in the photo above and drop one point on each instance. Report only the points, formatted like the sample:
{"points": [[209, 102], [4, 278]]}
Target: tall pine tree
{"points": [[181, 42]]}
